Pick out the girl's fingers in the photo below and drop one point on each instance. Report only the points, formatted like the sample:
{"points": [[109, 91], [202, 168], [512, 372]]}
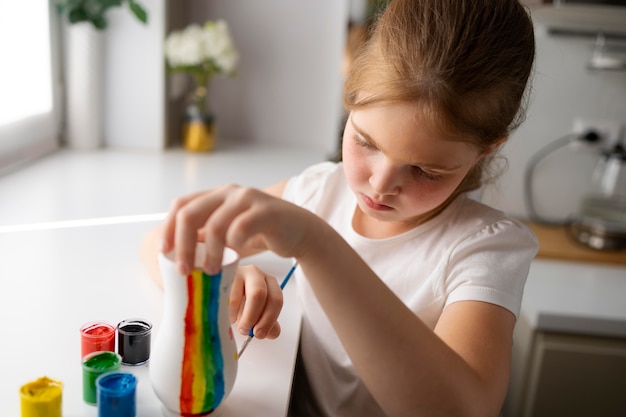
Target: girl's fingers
{"points": [[227, 216], [255, 292], [274, 331], [262, 302], [217, 225], [236, 298], [190, 218], [169, 224], [269, 315]]}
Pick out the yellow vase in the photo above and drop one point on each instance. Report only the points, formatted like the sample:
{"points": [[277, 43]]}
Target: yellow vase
{"points": [[199, 135], [199, 127]]}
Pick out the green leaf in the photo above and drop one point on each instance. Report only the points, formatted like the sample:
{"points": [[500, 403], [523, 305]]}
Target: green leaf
{"points": [[77, 16], [94, 11], [138, 11], [99, 22]]}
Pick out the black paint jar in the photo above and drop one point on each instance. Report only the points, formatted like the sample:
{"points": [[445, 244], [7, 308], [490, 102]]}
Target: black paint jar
{"points": [[133, 341]]}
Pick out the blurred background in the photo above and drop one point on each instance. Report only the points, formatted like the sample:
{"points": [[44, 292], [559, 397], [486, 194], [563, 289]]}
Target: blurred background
{"points": [[288, 86]]}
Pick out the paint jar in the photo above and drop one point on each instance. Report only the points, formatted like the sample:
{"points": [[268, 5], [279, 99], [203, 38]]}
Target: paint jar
{"points": [[96, 336], [94, 365], [41, 397], [133, 341], [116, 394]]}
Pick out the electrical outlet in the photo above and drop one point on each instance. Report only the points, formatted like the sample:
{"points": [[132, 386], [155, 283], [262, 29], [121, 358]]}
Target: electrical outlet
{"points": [[610, 131]]}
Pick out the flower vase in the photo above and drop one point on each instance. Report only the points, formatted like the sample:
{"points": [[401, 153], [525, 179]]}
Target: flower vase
{"points": [[199, 127], [193, 364]]}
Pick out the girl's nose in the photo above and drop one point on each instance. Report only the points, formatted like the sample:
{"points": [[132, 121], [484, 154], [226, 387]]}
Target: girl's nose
{"points": [[385, 179]]}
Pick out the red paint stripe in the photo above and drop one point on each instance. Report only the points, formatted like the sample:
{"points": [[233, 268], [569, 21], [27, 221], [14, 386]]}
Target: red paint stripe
{"points": [[186, 388]]}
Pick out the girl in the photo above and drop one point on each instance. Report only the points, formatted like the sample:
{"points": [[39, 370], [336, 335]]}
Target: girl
{"points": [[409, 288]]}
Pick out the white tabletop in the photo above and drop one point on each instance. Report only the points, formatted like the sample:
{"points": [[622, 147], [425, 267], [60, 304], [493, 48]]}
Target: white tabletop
{"points": [[53, 281], [70, 229], [70, 185]]}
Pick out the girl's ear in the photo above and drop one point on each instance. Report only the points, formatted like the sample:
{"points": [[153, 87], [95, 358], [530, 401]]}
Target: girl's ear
{"points": [[492, 148]]}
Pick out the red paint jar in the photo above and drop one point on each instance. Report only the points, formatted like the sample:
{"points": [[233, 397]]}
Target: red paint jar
{"points": [[97, 336]]}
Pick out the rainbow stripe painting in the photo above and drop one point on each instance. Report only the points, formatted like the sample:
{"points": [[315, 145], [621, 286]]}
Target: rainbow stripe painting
{"points": [[202, 386]]}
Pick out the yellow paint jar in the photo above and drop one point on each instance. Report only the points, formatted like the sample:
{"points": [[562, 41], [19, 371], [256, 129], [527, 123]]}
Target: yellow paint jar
{"points": [[41, 397]]}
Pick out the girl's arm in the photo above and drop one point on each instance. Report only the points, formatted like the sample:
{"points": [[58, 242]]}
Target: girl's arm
{"points": [[461, 369]]}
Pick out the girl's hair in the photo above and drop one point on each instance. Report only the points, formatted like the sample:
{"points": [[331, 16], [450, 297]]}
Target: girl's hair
{"points": [[464, 63]]}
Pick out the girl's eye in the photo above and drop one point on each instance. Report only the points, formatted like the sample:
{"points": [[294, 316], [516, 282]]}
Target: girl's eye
{"points": [[427, 175], [417, 171], [363, 143]]}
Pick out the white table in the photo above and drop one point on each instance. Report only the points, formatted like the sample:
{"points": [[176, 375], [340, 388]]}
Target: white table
{"points": [[53, 281], [70, 229]]}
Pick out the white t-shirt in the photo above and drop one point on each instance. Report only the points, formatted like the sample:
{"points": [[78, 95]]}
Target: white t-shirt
{"points": [[468, 252]]}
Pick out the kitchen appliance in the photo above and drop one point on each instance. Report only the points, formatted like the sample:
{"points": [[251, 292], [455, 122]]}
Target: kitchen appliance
{"points": [[600, 221]]}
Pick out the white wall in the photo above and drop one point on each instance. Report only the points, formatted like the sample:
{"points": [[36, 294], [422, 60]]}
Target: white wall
{"points": [[289, 88], [564, 89]]}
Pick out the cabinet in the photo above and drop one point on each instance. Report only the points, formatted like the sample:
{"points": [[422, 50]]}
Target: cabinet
{"points": [[574, 375], [569, 344]]}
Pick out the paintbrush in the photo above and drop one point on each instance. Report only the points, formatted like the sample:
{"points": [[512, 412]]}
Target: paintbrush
{"points": [[251, 333]]}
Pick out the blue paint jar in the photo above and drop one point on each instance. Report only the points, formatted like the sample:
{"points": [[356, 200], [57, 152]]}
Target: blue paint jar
{"points": [[117, 395]]}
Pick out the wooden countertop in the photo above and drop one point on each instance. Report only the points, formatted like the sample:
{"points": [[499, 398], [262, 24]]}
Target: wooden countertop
{"points": [[555, 242]]}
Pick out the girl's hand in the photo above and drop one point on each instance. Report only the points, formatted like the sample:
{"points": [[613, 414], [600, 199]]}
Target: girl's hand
{"points": [[255, 301], [244, 219]]}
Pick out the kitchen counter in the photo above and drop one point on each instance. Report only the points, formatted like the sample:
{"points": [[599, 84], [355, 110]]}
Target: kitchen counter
{"points": [[555, 242], [570, 337], [576, 297], [573, 288]]}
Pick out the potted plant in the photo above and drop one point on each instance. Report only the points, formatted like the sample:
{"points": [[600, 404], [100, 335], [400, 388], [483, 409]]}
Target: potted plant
{"points": [[200, 51], [94, 11], [84, 67]]}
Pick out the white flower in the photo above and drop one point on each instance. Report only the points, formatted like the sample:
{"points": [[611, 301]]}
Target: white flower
{"points": [[182, 49], [210, 46], [220, 45]]}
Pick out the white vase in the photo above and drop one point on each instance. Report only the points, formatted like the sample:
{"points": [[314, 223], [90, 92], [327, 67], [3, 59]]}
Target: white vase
{"points": [[193, 364], [84, 86]]}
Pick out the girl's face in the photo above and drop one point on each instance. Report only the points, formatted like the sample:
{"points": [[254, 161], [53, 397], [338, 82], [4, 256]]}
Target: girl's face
{"points": [[398, 170]]}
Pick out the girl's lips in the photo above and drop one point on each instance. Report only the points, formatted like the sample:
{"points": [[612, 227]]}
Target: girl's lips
{"points": [[374, 205]]}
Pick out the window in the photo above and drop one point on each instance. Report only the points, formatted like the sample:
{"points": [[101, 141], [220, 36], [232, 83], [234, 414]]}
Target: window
{"points": [[29, 107]]}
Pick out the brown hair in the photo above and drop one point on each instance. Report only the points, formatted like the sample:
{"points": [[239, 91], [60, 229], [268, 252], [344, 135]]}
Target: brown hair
{"points": [[465, 63]]}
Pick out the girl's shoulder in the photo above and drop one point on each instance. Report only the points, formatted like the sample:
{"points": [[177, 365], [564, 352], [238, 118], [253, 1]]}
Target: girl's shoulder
{"points": [[311, 182], [475, 223]]}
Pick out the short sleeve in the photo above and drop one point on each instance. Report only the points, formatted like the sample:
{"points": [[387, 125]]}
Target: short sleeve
{"points": [[492, 265]]}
